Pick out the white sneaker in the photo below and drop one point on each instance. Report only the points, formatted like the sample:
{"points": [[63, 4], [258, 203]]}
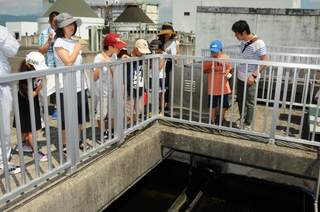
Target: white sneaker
{"points": [[247, 127], [12, 168]]}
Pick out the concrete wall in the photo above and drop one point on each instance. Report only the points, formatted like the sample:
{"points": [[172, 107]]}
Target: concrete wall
{"points": [[187, 23], [98, 184], [105, 177], [282, 27]]}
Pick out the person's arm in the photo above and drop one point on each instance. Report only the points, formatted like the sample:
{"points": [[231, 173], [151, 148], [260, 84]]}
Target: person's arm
{"points": [[67, 59], [207, 67], [38, 88], [263, 58], [178, 48], [44, 48], [228, 69], [8, 44]]}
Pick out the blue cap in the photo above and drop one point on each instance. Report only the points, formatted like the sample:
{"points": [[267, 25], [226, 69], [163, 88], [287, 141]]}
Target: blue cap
{"points": [[215, 46]]}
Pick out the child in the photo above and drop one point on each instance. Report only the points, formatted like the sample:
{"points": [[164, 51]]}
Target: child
{"points": [[33, 61], [112, 47], [141, 47], [156, 47], [221, 70]]}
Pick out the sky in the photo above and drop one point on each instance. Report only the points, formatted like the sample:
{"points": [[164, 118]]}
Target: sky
{"points": [[25, 7]]}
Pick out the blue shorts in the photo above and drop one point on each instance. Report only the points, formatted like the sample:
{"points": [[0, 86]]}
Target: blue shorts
{"points": [[216, 99]]}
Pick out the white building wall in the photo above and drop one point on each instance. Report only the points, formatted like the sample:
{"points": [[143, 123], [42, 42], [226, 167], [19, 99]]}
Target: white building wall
{"points": [[280, 27], [82, 31], [187, 23], [23, 28]]}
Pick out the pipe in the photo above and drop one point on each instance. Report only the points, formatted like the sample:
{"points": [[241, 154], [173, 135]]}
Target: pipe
{"points": [[316, 195]]}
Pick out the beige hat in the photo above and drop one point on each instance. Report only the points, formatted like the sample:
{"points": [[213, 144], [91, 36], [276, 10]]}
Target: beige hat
{"points": [[142, 46]]}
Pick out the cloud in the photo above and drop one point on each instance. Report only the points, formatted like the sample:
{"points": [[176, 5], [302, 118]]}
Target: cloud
{"points": [[20, 7]]}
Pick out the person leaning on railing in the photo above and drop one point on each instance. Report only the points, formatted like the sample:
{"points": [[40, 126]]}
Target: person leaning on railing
{"points": [[252, 48], [67, 52], [8, 48], [170, 46], [221, 75], [112, 47]]}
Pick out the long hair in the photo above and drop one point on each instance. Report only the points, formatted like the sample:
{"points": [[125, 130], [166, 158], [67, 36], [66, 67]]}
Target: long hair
{"points": [[163, 37], [60, 32], [240, 27], [23, 84]]}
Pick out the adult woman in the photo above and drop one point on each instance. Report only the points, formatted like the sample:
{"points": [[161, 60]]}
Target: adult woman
{"points": [[67, 52], [171, 46]]}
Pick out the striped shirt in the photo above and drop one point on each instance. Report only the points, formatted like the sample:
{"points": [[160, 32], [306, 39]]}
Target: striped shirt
{"points": [[68, 44], [252, 52]]}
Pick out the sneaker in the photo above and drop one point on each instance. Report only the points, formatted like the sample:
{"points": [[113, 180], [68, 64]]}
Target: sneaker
{"points": [[12, 168], [247, 127], [55, 114], [129, 125], [41, 156], [25, 147], [106, 135]]}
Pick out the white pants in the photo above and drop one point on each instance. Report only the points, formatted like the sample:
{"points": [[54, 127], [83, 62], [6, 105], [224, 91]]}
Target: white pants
{"points": [[6, 103]]}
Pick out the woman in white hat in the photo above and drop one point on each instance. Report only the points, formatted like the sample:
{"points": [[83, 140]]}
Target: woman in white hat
{"points": [[171, 46], [67, 52]]}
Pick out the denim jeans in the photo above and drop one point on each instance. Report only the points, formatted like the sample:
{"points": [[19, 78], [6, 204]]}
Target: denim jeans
{"points": [[249, 100]]}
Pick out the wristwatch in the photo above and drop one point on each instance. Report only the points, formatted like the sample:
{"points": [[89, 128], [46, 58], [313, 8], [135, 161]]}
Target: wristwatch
{"points": [[254, 76]]}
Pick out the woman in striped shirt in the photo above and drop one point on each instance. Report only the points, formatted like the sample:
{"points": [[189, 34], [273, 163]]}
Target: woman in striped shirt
{"points": [[67, 52]]}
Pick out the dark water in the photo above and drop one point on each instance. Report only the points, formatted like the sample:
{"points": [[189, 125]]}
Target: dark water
{"points": [[158, 190]]}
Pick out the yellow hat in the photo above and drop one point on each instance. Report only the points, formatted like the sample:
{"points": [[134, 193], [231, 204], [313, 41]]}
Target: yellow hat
{"points": [[167, 29]]}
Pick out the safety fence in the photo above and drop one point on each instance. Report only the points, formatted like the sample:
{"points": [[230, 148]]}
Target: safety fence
{"points": [[279, 112]]}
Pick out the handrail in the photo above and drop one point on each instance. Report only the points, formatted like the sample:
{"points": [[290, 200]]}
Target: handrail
{"points": [[187, 107]]}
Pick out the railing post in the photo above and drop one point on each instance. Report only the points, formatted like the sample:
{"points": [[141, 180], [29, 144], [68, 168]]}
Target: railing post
{"points": [[119, 100], [155, 86], [276, 106], [71, 118]]}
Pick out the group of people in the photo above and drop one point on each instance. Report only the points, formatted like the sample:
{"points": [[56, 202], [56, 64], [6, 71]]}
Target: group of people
{"points": [[60, 49], [252, 48]]}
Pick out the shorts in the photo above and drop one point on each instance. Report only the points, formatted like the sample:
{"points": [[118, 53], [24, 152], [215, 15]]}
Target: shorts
{"points": [[104, 108], [135, 106], [161, 88], [216, 99], [79, 106]]}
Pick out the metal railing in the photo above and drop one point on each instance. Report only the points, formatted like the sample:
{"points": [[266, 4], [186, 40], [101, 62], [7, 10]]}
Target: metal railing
{"points": [[277, 109]]}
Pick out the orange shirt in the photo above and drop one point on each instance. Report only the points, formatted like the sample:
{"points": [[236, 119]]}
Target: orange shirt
{"points": [[218, 70]]}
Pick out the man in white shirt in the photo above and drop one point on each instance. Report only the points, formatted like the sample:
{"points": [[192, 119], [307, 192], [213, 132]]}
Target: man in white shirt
{"points": [[8, 48]]}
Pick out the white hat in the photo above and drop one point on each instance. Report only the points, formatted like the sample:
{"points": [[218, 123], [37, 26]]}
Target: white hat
{"points": [[37, 60]]}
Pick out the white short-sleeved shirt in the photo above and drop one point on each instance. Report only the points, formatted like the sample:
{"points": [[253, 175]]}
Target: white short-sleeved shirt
{"points": [[170, 47], [68, 44], [104, 75], [252, 52]]}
